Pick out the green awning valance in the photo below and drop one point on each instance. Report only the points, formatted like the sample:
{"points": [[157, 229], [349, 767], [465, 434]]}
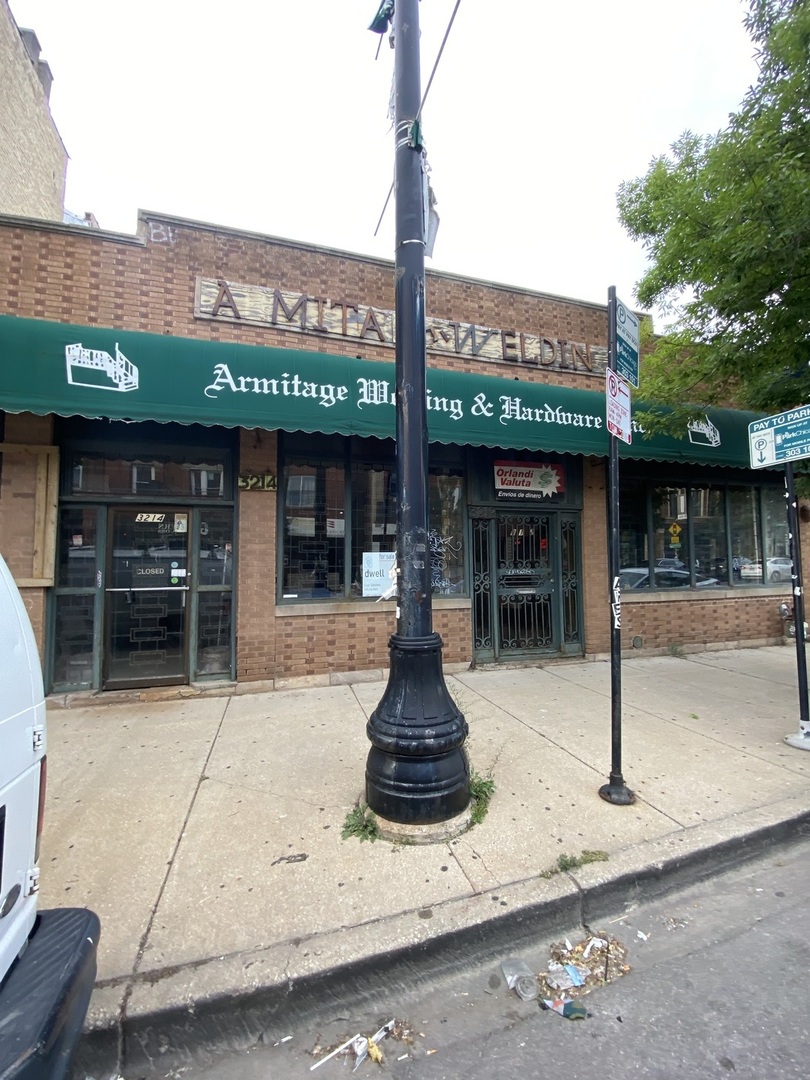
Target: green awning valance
{"points": [[50, 367]]}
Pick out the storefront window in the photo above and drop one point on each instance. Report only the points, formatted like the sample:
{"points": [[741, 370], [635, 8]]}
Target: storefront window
{"points": [[74, 611], [314, 532], [340, 527], [670, 537], [743, 514], [91, 474], [446, 496], [374, 528], [776, 539], [702, 535], [709, 535], [73, 639], [76, 557], [633, 539]]}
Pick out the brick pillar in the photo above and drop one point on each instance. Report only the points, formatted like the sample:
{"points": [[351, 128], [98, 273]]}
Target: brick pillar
{"points": [[596, 604], [256, 509]]}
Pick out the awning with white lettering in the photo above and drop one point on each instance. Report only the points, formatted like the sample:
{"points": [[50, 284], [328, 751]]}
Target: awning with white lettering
{"points": [[95, 372]]}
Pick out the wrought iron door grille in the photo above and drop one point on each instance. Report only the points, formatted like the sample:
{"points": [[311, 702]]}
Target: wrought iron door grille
{"points": [[482, 585], [525, 571]]}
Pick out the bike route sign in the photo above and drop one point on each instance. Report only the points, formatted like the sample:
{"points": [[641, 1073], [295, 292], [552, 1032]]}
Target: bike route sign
{"points": [[780, 438]]}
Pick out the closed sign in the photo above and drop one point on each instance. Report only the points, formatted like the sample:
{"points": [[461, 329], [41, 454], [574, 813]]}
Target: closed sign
{"points": [[144, 574]]}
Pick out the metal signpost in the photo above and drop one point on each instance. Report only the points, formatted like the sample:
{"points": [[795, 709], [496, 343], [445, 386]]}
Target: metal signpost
{"points": [[780, 440], [617, 405]]}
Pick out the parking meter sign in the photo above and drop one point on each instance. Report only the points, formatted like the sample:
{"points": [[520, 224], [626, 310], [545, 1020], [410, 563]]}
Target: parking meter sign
{"points": [[775, 440], [627, 344]]}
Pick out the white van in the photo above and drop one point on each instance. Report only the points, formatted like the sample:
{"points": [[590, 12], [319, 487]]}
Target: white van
{"points": [[47, 959]]}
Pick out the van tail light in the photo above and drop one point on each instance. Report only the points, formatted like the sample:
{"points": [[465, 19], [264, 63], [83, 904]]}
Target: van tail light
{"points": [[43, 784]]}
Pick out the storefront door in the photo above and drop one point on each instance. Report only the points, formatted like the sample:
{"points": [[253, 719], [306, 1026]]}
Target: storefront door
{"points": [[525, 577], [146, 593]]}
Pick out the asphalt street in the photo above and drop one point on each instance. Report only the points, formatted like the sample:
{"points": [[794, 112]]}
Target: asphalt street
{"points": [[718, 987]]}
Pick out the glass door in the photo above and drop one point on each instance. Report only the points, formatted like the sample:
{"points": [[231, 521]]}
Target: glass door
{"points": [[146, 593]]}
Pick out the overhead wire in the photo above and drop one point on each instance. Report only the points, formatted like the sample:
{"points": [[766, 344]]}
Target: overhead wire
{"points": [[424, 99]]}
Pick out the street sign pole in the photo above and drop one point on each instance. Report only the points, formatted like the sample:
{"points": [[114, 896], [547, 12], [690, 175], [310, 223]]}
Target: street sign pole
{"points": [[615, 791], [802, 739], [780, 440]]}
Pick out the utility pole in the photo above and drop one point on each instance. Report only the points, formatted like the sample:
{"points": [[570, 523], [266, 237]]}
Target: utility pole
{"points": [[417, 771]]}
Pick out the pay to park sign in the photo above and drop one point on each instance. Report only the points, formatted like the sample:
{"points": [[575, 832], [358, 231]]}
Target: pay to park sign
{"points": [[777, 439], [627, 340]]}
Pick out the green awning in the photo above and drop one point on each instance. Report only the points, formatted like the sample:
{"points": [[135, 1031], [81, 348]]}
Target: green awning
{"points": [[90, 371]]}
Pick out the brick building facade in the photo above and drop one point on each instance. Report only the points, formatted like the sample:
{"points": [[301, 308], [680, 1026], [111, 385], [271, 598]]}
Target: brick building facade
{"points": [[198, 457], [34, 161]]}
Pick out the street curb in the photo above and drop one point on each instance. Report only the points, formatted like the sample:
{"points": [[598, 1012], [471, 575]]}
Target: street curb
{"points": [[230, 1003]]}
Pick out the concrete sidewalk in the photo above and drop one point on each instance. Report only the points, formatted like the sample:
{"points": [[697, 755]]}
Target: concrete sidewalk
{"points": [[206, 833]]}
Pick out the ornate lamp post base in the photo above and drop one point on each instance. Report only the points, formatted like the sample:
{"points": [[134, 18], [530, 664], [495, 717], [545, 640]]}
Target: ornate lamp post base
{"points": [[617, 792], [417, 771]]}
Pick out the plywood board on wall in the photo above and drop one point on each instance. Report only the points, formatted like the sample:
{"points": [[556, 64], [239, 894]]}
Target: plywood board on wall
{"points": [[40, 552]]}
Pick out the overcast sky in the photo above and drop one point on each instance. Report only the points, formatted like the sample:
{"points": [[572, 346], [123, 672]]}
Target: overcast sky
{"points": [[272, 117]]}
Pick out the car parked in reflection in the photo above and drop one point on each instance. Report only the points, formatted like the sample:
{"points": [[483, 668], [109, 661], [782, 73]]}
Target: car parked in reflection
{"points": [[638, 577], [779, 568]]}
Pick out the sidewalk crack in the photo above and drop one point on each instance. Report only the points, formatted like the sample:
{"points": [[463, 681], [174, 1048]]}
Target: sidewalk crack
{"points": [[139, 955], [476, 891]]}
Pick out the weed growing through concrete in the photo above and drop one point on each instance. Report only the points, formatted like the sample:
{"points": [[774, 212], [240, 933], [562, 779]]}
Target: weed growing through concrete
{"points": [[573, 862], [360, 822], [676, 649], [481, 790]]}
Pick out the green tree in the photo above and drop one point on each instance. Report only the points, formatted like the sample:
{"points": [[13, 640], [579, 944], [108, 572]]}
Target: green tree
{"points": [[725, 221]]}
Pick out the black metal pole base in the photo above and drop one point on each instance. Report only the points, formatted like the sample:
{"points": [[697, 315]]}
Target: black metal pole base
{"points": [[417, 771], [617, 792]]}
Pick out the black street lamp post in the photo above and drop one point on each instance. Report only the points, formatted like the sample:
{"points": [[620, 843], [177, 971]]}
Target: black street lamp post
{"points": [[417, 771]]}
